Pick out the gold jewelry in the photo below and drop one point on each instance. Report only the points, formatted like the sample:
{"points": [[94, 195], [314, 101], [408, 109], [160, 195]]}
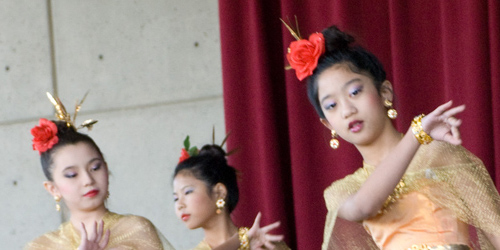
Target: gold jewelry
{"points": [[58, 206], [220, 205], [391, 113], [107, 195], [243, 236], [418, 131], [63, 115], [334, 143]]}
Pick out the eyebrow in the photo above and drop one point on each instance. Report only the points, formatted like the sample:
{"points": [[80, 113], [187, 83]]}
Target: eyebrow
{"points": [[343, 87]]}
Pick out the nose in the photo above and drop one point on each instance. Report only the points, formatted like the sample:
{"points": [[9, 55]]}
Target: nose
{"points": [[180, 203], [348, 109], [88, 179]]}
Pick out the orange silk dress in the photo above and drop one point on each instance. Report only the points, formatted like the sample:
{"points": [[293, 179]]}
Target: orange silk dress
{"points": [[445, 191], [415, 220]]}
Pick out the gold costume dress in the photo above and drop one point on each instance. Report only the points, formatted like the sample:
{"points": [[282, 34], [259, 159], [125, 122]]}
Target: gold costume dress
{"points": [[204, 246], [127, 232], [444, 190]]}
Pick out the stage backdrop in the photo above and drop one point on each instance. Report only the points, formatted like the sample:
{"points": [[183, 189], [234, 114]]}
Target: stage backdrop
{"points": [[433, 51]]}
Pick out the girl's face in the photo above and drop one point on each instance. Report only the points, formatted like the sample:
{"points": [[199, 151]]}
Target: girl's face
{"points": [[194, 203], [352, 105], [80, 177]]}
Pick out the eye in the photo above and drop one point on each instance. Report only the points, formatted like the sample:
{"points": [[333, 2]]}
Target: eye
{"points": [[188, 191], [70, 175], [356, 91], [96, 167], [176, 199], [330, 106]]}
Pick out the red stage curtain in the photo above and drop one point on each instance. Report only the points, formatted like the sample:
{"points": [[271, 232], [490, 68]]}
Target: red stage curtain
{"points": [[433, 51]]}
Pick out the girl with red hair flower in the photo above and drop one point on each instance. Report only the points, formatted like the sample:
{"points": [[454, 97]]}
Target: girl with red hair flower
{"points": [[417, 190], [77, 174]]}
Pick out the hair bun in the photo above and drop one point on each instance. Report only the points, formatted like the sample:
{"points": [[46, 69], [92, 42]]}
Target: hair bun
{"points": [[335, 39], [213, 150]]}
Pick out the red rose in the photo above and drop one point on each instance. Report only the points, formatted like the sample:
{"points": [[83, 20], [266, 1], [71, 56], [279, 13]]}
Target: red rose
{"points": [[45, 135], [184, 155], [303, 54]]}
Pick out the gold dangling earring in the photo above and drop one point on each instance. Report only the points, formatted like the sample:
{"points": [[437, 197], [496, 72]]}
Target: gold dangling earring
{"points": [[334, 143], [107, 195], [58, 206], [220, 205], [391, 113]]}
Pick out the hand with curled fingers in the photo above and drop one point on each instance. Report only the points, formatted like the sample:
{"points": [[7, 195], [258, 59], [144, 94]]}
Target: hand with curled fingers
{"points": [[259, 236], [442, 125], [95, 239]]}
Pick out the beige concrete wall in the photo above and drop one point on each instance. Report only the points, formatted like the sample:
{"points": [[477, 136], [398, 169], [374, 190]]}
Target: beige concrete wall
{"points": [[154, 74]]}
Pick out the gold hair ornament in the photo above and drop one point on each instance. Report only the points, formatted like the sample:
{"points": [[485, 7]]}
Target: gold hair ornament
{"points": [[63, 115]]}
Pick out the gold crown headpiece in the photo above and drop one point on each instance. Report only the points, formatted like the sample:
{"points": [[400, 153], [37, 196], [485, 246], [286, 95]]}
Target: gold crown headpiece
{"points": [[63, 115]]}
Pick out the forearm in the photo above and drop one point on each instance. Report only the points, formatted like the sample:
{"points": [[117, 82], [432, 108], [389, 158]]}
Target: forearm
{"points": [[494, 240], [381, 183], [232, 243]]}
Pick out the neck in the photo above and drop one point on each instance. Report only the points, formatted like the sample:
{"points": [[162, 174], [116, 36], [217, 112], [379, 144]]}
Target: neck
{"points": [[219, 230], [87, 217], [376, 151]]}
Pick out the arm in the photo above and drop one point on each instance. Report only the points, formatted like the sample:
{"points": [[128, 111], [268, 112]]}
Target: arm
{"points": [[494, 240], [439, 124], [232, 243], [258, 237]]}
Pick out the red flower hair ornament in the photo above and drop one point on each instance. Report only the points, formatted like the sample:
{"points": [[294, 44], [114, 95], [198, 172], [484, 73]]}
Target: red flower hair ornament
{"points": [[303, 55], [188, 151], [44, 135]]}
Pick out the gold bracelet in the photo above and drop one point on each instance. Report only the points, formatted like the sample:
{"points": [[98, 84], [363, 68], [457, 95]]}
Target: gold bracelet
{"points": [[243, 236], [418, 131]]}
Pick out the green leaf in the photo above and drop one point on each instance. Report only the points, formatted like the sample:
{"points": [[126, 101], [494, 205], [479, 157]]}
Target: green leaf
{"points": [[193, 151], [186, 143]]}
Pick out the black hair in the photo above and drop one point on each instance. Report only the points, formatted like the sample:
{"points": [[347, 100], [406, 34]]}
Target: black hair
{"points": [[338, 50], [210, 166], [67, 135]]}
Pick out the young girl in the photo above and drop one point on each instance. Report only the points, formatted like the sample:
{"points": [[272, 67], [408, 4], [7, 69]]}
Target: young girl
{"points": [[78, 175], [406, 195], [205, 194]]}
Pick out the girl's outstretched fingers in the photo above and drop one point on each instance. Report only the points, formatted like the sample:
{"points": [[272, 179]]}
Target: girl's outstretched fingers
{"points": [[441, 124]]}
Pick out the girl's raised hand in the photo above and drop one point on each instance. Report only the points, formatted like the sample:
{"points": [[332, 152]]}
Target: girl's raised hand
{"points": [[441, 124], [259, 237], [94, 240]]}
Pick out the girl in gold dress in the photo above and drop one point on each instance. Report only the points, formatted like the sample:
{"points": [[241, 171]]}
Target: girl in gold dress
{"points": [[205, 194], [406, 195], [78, 175]]}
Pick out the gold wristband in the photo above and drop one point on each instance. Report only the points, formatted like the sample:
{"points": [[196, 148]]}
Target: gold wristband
{"points": [[243, 236], [418, 131]]}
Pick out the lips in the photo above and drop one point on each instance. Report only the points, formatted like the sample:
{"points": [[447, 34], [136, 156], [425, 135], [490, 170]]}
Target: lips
{"points": [[91, 193], [185, 217], [355, 126]]}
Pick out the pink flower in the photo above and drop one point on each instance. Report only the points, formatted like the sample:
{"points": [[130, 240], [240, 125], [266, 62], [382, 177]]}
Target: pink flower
{"points": [[45, 135], [303, 55]]}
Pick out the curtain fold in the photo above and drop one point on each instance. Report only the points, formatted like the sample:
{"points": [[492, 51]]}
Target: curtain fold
{"points": [[432, 51]]}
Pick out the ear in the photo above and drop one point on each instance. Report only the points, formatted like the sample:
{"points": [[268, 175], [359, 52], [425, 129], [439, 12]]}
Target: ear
{"points": [[386, 91], [326, 123], [51, 188], [219, 191]]}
